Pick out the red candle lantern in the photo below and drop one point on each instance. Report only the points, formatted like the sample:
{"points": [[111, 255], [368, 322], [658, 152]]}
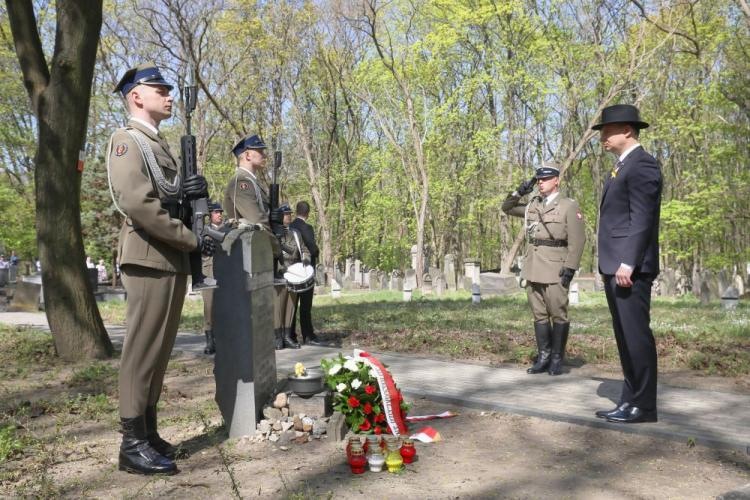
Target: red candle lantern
{"points": [[357, 460], [408, 451]]}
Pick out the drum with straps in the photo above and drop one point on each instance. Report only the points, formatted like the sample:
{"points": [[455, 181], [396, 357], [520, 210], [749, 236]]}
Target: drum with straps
{"points": [[299, 277]]}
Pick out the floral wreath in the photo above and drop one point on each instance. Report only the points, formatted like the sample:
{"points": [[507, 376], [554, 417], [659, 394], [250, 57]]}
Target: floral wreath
{"points": [[366, 394]]}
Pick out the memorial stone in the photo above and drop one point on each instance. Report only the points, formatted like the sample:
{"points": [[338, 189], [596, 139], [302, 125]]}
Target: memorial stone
{"points": [[439, 285], [349, 267], [27, 297], [335, 289], [245, 359], [705, 293], [472, 270], [497, 284], [357, 278], [449, 268], [730, 298], [573, 294], [383, 280], [427, 284], [739, 284], [410, 279]]}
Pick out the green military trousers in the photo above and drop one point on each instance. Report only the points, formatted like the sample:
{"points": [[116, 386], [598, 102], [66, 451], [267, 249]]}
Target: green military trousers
{"points": [[208, 309], [283, 307], [154, 306], [548, 301]]}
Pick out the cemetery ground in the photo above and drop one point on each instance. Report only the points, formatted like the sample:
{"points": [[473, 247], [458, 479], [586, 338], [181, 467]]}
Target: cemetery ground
{"points": [[58, 421]]}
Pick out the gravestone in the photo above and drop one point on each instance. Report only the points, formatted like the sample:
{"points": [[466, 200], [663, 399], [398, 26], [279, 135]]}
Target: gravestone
{"points": [[439, 285], [705, 293], [410, 279], [472, 271], [427, 284], [697, 279], [433, 272], [739, 284], [414, 256], [497, 284], [330, 273], [586, 282], [713, 284], [573, 294], [357, 278], [245, 359], [730, 298], [349, 267], [383, 280], [335, 289], [365, 279], [449, 267], [27, 297]]}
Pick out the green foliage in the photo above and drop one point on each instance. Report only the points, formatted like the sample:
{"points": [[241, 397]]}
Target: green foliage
{"points": [[11, 443]]}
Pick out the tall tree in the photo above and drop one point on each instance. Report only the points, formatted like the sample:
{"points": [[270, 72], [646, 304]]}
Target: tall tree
{"points": [[60, 95]]}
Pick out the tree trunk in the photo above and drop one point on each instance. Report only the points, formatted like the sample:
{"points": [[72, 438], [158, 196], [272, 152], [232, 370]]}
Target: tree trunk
{"points": [[60, 97]]}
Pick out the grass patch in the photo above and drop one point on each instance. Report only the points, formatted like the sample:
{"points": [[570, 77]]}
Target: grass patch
{"points": [[98, 376], [23, 349], [11, 442]]}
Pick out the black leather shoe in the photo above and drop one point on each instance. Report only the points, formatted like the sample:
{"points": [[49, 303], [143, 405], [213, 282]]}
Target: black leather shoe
{"points": [[615, 411], [559, 340], [137, 456], [313, 340], [153, 437], [289, 341], [279, 340], [633, 415]]}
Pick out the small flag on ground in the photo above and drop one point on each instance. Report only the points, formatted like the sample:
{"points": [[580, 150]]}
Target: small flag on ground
{"points": [[419, 418], [426, 435]]}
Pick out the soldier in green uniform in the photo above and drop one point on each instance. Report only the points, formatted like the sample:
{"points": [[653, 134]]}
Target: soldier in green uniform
{"points": [[293, 250], [153, 255], [216, 215], [245, 196], [556, 236]]}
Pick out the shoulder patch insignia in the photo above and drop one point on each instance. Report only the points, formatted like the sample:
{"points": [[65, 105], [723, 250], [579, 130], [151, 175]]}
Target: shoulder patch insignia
{"points": [[243, 185], [121, 149], [579, 215]]}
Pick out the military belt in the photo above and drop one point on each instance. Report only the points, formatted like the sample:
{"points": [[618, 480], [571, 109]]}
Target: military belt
{"points": [[549, 243]]}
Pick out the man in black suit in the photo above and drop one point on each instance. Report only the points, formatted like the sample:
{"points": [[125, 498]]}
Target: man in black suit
{"points": [[629, 258], [305, 298]]}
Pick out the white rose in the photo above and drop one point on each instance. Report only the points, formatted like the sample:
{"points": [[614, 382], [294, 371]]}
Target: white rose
{"points": [[351, 365], [356, 383], [341, 387], [334, 369]]}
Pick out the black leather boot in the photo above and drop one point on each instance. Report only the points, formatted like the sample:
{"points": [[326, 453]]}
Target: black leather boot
{"points": [[279, 339], [288, 340], [153, 437], [137, 456], [542, 331], [210, 344], [559, 341]]}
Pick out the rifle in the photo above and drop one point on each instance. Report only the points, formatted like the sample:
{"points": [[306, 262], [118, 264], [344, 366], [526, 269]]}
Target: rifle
{"points": [[199, 207], [274, 194]]}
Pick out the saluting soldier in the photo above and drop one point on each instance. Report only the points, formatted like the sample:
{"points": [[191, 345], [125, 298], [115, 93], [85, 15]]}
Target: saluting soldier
{"points": [[153, 258], [216, 214], [293, 250], [555, 228]]}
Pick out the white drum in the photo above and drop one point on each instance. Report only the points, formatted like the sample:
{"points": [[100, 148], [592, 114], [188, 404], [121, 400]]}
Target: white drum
{"points": [[299, 277]]}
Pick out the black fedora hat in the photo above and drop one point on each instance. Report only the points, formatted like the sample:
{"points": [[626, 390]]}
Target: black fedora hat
{"points": [[621, 113]]}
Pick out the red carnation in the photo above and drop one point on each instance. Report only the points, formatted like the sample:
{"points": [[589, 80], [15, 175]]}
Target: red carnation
{"points": [[379, 417], [378, 430], [370, 389], [353, 402], [365, 426], [367, 408]]}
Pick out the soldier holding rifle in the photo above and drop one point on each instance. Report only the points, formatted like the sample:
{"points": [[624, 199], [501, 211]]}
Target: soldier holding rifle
{"points": [[154, 245]]}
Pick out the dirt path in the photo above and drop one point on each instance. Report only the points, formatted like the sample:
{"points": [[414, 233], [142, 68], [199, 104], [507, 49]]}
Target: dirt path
{"points": [[482, 455]]}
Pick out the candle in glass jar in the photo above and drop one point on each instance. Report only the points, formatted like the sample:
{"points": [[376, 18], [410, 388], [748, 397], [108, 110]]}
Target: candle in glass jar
{"points": [[408, 451]]}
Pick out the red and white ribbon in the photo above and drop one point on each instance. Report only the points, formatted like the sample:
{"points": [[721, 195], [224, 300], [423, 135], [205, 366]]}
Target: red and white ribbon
{"points": [[388, 392], [419, 418]]}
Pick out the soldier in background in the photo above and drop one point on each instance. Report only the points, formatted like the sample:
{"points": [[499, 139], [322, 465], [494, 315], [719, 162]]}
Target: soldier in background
{"points": [[217, 219], [555, 228], [293, 250]]}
